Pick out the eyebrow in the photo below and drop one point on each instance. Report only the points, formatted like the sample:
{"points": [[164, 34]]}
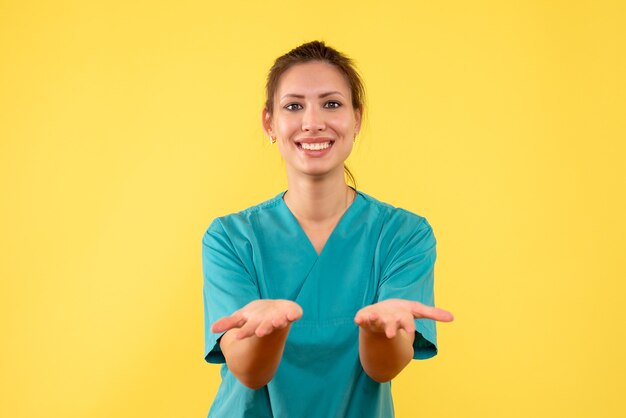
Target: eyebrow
{"points": [[300, 96]]}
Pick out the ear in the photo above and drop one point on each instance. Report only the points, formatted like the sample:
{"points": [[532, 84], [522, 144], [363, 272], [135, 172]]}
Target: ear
{"points": [[358, 117], [266, 121]]}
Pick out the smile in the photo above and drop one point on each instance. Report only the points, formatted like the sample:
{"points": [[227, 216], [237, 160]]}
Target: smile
{"points": [[315, 145], [315, 149]]}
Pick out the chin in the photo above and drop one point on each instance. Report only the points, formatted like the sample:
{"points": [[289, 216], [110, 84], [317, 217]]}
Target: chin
{"points": [[320, 171]]}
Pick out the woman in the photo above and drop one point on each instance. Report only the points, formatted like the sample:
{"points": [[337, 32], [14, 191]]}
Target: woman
{"points": [[317, 298]]}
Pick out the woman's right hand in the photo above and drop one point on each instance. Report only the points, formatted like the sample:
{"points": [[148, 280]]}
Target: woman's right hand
{"points": [[260, 317]]}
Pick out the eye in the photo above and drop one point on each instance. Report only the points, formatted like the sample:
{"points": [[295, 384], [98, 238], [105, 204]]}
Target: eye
{"points": [[333, 104], [290, 106]]}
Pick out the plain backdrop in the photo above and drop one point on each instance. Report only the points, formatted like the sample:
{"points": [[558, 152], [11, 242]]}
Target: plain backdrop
{"points": [[127, 126]]}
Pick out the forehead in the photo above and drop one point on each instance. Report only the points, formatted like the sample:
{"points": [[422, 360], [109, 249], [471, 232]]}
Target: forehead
{"points": [[312, 78]]}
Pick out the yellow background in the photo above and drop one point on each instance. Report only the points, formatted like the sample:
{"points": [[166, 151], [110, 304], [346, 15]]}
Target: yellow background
{"points": [[126, 127]]}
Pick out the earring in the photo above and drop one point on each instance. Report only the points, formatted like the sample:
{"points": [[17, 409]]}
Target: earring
{"points": [[272, 139]]}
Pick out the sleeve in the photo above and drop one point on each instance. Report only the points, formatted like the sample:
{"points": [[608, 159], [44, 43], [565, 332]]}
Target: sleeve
{"points": [[228, 285], [410, 275]]}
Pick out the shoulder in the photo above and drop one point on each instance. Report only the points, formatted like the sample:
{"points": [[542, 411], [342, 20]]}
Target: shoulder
{"points": [[402, 236], [396, 218], [241, 222], [399, 232]]}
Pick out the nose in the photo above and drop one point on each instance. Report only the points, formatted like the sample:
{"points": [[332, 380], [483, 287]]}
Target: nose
{"points": [[313, 120]]}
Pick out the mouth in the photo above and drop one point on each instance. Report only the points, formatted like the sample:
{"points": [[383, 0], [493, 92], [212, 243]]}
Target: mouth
{"points": [[315, 146]]}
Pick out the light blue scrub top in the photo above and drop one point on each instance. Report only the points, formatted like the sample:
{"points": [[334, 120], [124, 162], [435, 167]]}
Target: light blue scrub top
{"points": [[375, 252]]}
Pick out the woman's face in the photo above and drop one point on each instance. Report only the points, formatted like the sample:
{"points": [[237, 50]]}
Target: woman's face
{"points": [[313, 109]]}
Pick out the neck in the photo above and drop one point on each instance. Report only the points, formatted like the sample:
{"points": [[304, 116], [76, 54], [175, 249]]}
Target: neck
{"points": [[318, 200]]}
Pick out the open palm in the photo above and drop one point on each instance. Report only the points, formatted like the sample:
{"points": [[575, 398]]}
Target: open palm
{"points": [[388, 316]]}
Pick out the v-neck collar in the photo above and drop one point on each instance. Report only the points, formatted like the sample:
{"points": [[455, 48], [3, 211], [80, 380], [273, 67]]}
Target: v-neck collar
{"points": [[344, 218]]}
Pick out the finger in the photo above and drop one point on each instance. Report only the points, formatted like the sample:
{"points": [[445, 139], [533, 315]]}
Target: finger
{"points": [[365, 321], [248, 329], [361, 317], [430, 312], [294, 314], [377, 322], [407, 324], [362, 320], [264, 328], [224, 324], [280, 322], [389, 326]]}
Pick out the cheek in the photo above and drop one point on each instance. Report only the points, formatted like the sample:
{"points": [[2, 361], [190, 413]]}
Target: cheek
{"points": [[343, 123], [281, 150], [286, 125]]}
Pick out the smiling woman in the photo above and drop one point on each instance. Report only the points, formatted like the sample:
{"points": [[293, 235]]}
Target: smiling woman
{"points": [[316, 52], [313, 118], [316, 298]]}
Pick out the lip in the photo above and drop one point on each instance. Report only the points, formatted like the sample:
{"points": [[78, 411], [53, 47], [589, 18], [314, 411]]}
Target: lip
{"points": [[315, 153]]}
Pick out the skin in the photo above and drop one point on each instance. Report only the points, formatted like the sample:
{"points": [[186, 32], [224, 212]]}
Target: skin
{"points": [[387, 332], [255, 339], [313, 100]]}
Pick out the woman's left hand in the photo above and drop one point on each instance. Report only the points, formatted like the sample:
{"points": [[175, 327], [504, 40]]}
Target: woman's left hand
{"points": [[388, 316]]}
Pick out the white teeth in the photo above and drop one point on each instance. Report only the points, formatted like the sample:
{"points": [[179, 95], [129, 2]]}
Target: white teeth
{"points": [[315, 146]]}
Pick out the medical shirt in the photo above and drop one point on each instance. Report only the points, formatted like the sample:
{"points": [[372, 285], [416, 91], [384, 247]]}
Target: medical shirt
{"points": [[375, 252]]}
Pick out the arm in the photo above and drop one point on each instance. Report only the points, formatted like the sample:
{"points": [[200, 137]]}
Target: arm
{"points": [[255, 339], [251, 339], [387, 332], [253, 360], [384, 358]]}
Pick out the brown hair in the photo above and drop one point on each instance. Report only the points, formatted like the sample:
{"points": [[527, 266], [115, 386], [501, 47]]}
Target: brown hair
{"points": [[317, 51]]}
